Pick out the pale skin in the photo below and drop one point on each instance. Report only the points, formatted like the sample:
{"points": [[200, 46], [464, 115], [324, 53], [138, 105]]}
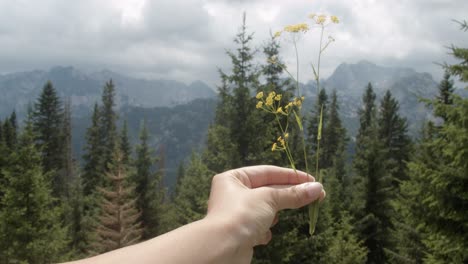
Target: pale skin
{"points": [[242, 207]]}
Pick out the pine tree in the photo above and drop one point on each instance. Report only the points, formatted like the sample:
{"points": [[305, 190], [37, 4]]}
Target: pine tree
{"points": [[10, 128], [48, 118], [436, 190], [93, 157], [393, 132], [235, 116], [118, 223], [371, 185], [107, 125], [125, 145], [334, 152], [345, 248], [148, 187], [68, 167], [446, 89], [30, 229], [191, 200]]}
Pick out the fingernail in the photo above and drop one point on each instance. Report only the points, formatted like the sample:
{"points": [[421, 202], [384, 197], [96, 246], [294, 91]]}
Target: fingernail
{"points": [[313, 189]]}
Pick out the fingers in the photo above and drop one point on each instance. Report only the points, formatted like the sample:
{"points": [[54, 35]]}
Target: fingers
{"points": [[264, 175], [265, 239], [296, 196]]}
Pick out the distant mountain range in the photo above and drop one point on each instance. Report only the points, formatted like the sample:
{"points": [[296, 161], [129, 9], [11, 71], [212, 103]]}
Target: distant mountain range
{"points": [[405, 84], [17, 90], [179, 115]]}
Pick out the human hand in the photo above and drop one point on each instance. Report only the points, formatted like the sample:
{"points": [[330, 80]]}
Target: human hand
{"points": [[247, 201]]}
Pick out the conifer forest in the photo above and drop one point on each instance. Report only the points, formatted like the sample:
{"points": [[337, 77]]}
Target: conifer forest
{"points": [[391, 196]]}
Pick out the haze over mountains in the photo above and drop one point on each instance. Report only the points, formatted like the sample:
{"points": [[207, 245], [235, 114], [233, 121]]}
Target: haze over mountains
{"points": [[19, 89], [179, 115]]}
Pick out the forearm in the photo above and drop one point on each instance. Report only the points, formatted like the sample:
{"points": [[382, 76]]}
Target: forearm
{"points": [[204, 241]]}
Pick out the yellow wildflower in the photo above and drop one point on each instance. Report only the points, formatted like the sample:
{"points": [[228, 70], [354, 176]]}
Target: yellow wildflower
{"points": [[282, 142], [302, 27], [269, 101], [273, 148], [259, 104], [277, 34], [321, 19], [286, 135], [298, 102], [290, 104], [280, 110], [259, 95], [278, 97], [334, 19]]}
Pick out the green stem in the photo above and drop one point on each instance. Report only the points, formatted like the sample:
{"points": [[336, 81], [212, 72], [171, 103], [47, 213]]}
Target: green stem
{"points": [[286, 145], [297, 68]]}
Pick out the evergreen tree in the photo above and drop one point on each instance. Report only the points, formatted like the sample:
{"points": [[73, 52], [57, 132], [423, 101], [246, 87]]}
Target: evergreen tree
{"points": [[345, 248], [10, 128], [436, 190], [334, 152], [118, 223], [190, 203], [30, 229], [148, 187], [372, 182], [93, 158], [235, 116], [48, 118], [107, 123], [68, 167], [446, 89], [392, 132], [125, 145], [460, 69], [334, 135]]}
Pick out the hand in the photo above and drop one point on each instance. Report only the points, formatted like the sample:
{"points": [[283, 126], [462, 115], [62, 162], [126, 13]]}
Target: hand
{"points": [[247, 201]]}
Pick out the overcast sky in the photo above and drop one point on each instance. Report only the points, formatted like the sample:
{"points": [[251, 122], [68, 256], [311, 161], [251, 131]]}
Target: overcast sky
{"points": [[186, 40]]}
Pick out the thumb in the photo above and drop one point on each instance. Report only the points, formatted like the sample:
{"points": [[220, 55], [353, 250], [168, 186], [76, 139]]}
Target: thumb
{"points": [[297, 196]]}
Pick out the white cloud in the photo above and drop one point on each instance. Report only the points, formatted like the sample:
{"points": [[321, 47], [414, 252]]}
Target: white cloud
{"points": [[186, 39]]}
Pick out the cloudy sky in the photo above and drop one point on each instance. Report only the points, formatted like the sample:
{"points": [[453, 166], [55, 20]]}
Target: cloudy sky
{"points": [[186, 40]]}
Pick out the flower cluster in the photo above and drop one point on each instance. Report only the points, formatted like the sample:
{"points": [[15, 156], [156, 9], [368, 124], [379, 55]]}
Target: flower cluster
{"points": [[319, 19], [271, 103], [322, 19]]}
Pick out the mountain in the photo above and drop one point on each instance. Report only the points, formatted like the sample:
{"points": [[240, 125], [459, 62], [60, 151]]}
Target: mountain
{"points": [[179, 115], [405, 84], [19, 89], [177, 130]]}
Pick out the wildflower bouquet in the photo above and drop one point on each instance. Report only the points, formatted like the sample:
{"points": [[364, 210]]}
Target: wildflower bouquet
{"points": [[271, 103]]}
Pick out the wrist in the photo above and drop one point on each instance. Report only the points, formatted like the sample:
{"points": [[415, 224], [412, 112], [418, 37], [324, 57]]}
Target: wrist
{"points": [[234, 237]]}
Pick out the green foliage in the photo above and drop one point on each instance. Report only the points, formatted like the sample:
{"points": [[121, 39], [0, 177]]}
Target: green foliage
{"points": [[107, 123], [149, 187], [125, 145], [372, 184], [48, 122], [438, 177], [235, 106], [93, 158], [190, 201], [30, 227], [345, 247], [118, 223]]}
